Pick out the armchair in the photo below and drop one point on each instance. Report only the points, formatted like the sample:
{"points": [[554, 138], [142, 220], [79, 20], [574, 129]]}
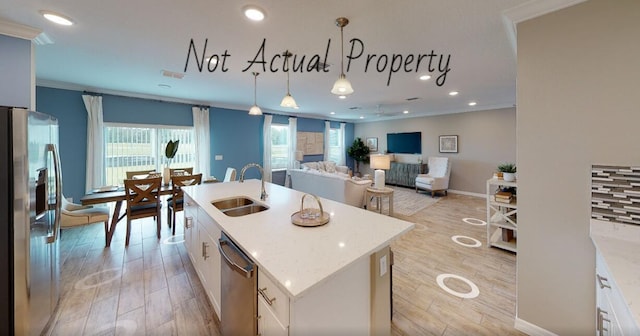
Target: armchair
{"points": [[438, 177], [73, 215]]}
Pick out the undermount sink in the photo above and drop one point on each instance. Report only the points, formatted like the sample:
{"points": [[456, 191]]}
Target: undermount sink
{"points": [[238, 206], [244, 210], [234, 202]]}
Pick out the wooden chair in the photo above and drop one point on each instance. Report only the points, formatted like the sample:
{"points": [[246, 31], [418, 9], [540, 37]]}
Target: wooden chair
{"points": [[143, 200], [131, 174], [176, 202], [172, 171]]}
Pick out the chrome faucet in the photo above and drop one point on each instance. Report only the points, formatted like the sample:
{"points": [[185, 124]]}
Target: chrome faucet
{"points": [[263, 194]]}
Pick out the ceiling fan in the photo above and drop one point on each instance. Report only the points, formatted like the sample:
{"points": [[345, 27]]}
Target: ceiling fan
{"points": [[382, 112]]}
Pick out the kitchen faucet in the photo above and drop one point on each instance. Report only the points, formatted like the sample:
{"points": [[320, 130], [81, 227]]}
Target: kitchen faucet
{"points": [[263, 194]]}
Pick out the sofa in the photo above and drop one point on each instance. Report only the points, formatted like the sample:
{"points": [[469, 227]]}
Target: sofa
{"points": [[326, 179]]}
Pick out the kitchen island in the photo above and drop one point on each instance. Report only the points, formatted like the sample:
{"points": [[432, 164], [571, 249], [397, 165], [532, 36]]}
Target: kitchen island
{"points": [[330, 279]]}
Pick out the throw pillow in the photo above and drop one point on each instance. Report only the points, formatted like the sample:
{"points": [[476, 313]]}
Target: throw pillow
{"points": [[311, 165], [321, 166], [330, 166]]}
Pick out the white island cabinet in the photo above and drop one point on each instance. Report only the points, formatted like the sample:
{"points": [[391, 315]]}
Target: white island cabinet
{"points": [[617, 278], [332, 279]]}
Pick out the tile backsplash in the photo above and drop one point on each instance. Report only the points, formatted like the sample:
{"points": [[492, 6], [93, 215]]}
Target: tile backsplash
{"points": [[615, 193]]}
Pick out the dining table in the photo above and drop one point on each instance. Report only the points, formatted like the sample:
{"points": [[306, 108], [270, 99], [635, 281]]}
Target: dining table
{"points": [[118, 195]]}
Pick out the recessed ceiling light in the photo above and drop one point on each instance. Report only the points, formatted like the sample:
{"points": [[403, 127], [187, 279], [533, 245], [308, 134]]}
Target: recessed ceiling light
{"points": [[332, 112], [405, 111], [57, 18], [342, 97], [425, 77], [254, 13], [361, 117], [472, 103], [164, 86], [453, 93]]}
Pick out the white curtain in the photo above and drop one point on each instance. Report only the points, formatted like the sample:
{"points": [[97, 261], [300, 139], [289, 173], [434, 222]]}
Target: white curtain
{"points": [[202, 140], [343, 151], [95, 142], [266, 139], [293, 135], [327, 138]]}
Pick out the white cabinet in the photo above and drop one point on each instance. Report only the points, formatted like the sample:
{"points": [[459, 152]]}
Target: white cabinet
{"points": [[273, 307], [268, 323], [190, 231], [201, 239], [502, 222], [613, 316], [208, 260]]}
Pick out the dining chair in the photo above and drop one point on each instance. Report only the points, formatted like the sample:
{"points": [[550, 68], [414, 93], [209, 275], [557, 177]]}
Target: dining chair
{"points": [[131, 174], [173, 171], [73, 215], [143, 200], [175, 204], [230, 175]]}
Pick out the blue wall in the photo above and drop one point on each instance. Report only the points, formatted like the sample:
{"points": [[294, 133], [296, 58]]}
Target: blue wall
{"points": [[235, 135]]}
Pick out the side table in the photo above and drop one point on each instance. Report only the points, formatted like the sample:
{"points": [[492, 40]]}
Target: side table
{"points": [[379, 194]]}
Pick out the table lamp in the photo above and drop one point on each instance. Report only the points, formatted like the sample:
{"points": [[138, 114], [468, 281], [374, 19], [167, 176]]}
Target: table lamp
{"points": [[380, 162], [299, 157]]}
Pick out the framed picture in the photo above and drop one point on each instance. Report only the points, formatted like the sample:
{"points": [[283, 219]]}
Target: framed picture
{"points": [[372, 143], [448, 144]]}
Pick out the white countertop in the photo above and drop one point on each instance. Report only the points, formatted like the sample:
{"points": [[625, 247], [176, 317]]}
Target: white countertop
{"points": [[619, 244], [298, 258]]}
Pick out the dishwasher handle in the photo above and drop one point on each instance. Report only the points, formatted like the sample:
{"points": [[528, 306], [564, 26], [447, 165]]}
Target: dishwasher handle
{"points": [[225, 244]]}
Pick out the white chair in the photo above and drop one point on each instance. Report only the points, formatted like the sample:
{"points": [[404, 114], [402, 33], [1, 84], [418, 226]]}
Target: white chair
{"points": [[230, 175], [438, 177], [73, 215]]}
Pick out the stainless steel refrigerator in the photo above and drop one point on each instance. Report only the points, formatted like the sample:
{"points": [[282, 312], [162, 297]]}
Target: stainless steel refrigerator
{"points": [[30, 198]]}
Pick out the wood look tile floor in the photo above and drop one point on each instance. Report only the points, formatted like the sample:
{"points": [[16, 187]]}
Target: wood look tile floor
{"points": [[151, 288]]}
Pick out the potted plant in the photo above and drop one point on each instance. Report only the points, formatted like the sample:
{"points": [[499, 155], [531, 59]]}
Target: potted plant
{"points": [[170, 152], [508, 171], [359, 152]]}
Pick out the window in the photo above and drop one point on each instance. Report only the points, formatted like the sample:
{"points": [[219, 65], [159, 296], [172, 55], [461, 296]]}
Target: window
{"points": [[279, 146], [141, 147], [335, 150]]}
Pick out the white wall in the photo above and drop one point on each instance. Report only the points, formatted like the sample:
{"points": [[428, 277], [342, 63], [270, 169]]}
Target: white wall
{"points": [[485, 139], [578, 85], [16, 87]]}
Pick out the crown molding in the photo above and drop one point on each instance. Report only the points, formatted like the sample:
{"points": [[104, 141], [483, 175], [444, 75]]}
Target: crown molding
{"points": [[529, 10], [18, 30]]}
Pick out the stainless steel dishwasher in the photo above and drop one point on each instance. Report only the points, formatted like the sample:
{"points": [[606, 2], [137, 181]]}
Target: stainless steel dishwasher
{"points": [[239, 290]]}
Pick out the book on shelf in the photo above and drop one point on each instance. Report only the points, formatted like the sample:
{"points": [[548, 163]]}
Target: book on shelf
{"points": [[503, 200], [504, 194]]}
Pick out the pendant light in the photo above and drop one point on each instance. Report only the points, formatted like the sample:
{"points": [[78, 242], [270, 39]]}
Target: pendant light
{"points": [[255, 109], [342, 86], [288, 100]]}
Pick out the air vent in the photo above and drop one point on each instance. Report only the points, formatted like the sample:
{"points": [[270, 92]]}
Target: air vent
{"points": [[355, 108], [172, 74], [414, 98]]}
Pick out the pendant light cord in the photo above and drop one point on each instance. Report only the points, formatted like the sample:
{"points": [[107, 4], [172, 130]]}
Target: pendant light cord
{"points": [[342, 52]]}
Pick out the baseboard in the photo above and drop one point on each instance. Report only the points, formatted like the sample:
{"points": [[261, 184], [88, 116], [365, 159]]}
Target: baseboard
{"points": [[467, 193], [531, 329]]}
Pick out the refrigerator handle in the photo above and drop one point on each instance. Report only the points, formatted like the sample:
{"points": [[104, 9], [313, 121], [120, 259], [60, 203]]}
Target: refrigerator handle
{"points": [[58, 205]]}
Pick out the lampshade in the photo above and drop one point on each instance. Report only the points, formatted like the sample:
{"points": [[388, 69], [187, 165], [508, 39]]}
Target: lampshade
{"points": [[299, 156], [288, 101], [342, 86], [380, 161], [255, 109]]}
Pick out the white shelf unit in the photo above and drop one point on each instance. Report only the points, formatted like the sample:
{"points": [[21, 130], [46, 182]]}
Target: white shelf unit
{"points": [[501, 216]]}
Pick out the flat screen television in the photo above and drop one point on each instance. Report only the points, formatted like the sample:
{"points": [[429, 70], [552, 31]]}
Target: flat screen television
{"points": [[406, 143]]}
